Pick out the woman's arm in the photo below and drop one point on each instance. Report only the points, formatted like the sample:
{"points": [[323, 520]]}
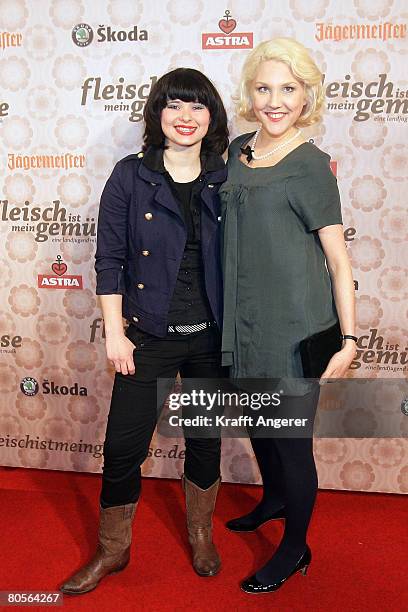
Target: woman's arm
{"points": [[338, 264], [110, 258], [119, 349]]}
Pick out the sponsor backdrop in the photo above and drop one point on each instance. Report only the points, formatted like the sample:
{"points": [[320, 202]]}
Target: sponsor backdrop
{"points": [[74, 76]]}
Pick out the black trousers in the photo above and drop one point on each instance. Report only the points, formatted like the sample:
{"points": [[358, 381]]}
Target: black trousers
{"points": [[133, 411]]}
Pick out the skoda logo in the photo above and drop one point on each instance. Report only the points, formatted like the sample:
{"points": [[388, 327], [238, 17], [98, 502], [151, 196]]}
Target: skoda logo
{"points": [[29, 386], [82, 34]]}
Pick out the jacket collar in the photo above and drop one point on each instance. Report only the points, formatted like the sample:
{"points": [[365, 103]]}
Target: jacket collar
{"points": [[213, 166]]}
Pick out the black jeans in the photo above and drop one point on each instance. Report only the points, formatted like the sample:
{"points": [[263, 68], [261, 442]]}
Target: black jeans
{"points": [[133, 411]]}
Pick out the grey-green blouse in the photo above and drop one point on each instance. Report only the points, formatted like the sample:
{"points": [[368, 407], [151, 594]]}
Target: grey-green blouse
{"points": [[277, 289]]}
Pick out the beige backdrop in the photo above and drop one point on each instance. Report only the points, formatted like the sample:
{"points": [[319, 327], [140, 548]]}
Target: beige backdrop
{"points": [[70, 107]]}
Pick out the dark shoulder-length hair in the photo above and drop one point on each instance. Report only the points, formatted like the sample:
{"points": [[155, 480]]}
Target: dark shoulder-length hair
{"points": [[188, 85]]}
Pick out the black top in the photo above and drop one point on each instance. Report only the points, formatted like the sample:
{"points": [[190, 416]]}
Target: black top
{"points": [[189, 303]]}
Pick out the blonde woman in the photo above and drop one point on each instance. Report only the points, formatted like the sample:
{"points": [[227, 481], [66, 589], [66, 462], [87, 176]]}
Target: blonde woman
{"points": [[282, 225]]}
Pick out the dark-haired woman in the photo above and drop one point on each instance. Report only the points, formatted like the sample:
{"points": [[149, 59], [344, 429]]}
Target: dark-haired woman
{"points": [[158, 266]]}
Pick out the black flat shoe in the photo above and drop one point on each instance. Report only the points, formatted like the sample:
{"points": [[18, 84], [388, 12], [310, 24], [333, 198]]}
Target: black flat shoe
{"points": [[253, 585], [248, 523]]}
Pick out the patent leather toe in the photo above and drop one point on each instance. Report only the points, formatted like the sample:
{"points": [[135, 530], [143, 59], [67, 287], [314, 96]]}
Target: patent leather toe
{"points": [[254, 586]]}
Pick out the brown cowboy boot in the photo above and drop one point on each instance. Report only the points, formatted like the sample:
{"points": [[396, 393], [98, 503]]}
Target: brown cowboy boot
{"points": [[112, 553], [200, 505]]}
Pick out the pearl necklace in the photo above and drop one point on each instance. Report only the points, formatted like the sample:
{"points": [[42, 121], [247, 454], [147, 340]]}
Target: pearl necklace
{"points": [[283, 144]]}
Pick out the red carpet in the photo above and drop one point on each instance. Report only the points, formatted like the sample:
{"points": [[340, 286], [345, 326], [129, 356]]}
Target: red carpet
{"points": [[358, 540]]}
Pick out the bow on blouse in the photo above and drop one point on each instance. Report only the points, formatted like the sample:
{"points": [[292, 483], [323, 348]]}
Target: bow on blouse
{"points": [[247, 151]]}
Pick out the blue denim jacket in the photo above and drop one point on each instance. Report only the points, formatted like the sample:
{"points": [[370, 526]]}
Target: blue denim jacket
{"points": [[142, 235]]}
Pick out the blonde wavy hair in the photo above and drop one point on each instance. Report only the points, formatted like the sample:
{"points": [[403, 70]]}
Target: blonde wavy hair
{"points": [[303, 67]]}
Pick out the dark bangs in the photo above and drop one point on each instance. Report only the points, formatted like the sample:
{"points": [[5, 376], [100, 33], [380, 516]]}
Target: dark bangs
{"points": [[188, 85]]}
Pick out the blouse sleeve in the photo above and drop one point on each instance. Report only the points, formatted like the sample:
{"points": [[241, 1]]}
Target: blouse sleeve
{"points": [[314, 194]]}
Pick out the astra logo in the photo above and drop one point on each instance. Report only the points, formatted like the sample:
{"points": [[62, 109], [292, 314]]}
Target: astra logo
{"points": [[59, 280], [227, 40], [82, 34]]}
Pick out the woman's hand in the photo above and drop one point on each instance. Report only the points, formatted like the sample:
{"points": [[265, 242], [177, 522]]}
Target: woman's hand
{"points": [[340, 362], [119, 351]]}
